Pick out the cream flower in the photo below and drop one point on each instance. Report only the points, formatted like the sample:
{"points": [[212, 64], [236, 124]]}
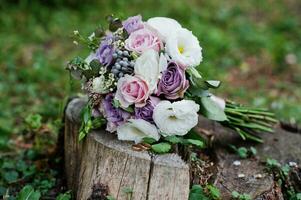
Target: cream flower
{"points": [[149, 66], [184, 48], [137, 129], [164, 26], [98, 85], [176, 118]]}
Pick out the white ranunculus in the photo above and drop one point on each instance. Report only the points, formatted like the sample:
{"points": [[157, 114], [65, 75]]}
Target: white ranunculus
{"points": [[137, 129], [184, 48], [164, 26], [149, 66], [176, 118]]}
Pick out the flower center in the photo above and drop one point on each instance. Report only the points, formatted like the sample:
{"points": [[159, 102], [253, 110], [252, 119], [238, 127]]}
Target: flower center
{"points": [[181, 49]]}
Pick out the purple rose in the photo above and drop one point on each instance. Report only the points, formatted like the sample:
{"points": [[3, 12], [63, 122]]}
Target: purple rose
{"points": [[146, 112], [114, 116], [105, 51], [133, 24], [173, 83]]}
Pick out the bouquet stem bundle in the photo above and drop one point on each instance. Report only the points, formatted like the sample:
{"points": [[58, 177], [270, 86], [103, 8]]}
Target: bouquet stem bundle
{"points": [[249, 121]]}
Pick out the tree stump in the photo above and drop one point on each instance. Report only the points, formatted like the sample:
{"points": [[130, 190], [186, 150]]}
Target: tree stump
{"points": [[101, 165]]}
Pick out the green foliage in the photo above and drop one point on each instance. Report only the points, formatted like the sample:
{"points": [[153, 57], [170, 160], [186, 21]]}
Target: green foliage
{"points": [[149, 140], [237, 195], [213, 192], [33, 121], [197, 193], [243, 152], [209, 193], [29, 193], [110, 198], [89, 122], [161, 148], [211, 109], [64, 196]]}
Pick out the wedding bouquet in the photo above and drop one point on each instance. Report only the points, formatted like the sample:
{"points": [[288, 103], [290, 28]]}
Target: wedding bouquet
{"points": [[142, 83]]}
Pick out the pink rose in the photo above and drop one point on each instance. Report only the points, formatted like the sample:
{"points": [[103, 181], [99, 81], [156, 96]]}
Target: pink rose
{"points": [[143, 39], [132, 90]]}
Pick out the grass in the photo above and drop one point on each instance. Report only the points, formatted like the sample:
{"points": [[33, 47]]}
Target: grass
{"points": [[253, 47]]}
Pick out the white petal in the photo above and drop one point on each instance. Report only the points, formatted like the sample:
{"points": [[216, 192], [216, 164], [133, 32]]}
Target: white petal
{"points": [[162, 63], [176, 118], [137, 129], [183, 40], [164, 26], [147, 67]]}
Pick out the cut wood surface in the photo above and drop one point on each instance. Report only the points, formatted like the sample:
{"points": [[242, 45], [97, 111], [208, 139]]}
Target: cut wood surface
{"points": [[101, 165]]}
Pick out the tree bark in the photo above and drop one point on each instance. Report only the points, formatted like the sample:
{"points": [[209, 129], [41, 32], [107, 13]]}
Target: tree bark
{"points": [[101, 165], [102, 160]]}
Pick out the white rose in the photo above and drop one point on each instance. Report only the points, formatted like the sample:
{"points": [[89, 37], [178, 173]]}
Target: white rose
{"points": [[137, 129], [164, 26], [149, 66], [184, 48], [176, 118]]}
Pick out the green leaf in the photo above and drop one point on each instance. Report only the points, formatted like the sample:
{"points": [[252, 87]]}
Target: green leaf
{"points": [[98, 122], [242, 152], [82, 135], [28, 193], [272, 163], [110, 198], [197, 143], [34, 121], [116, 103], [192, 134], [65, 196], [214, 192], [86, 113], [11, 176], [253, 151], [198, 87], [148, 140], [174, 139], [161, 148], [298, 196], [213, 83], [235, 194], [197, 193], [212, 110], [128, 109], [285, 169], [95, 66]]}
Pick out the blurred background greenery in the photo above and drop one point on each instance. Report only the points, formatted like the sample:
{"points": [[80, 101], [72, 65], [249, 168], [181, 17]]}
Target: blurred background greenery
{"points": [[253, 47]]}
